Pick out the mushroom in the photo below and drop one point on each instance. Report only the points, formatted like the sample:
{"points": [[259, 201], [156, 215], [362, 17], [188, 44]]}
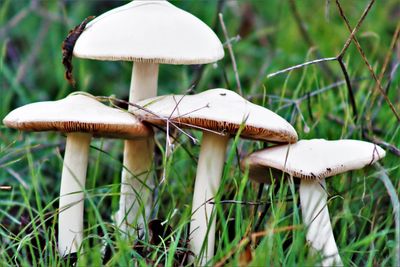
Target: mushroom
{"points": [[220, 114], [312, 161], [148, 33], [80, 117]]}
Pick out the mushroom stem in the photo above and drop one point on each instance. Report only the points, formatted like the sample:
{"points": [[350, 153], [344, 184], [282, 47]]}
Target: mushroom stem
{"points": [[136, 185], [71, 204], [144, 82], [313, 199], [208, 178], [138, 155]]}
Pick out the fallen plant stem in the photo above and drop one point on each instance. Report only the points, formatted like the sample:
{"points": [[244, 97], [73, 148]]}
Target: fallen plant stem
{"points": [[259, 195], [355, 30], [386, 61], [388, 85], [384, 67], [316, 61], [168, 120], [5, 187], [393, 149], [302, 65], [349, 88], [262, 216], [250, 203]]}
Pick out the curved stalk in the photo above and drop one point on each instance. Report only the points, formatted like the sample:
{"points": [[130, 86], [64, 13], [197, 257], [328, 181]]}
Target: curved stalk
{"points": [[138, 156], [71, 204], [313, 200], [208, 178]]}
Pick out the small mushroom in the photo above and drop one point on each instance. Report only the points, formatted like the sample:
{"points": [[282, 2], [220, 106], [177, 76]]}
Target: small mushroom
{"points": [[80, 117], [220, 114], [312, 161], [148, 33]]}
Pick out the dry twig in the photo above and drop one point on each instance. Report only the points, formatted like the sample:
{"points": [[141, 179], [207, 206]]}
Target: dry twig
{"points": [[316, 61], [389, 53], [386, 145]]}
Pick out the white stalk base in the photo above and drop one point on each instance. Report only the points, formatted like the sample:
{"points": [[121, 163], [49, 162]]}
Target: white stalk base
{"points": [[313, 200], [138, 157], [136, 186], [70, 218], [208, 178]]}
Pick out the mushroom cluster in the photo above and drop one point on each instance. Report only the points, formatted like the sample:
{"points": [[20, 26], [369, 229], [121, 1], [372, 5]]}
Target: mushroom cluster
{"points": [[219, 113], [150, 33]]}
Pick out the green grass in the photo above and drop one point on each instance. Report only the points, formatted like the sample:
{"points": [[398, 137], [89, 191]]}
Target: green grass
{"points": [[360, 207]]}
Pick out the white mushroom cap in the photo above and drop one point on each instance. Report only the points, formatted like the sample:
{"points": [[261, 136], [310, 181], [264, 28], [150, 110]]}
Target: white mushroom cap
{"points": [[314, 159], [76, 113], [149, 31], [219, 110]]}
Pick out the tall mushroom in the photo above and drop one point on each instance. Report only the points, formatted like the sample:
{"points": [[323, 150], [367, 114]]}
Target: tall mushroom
{"points": [[80, 117], [312, 161], [148, 33], [222, 112]]}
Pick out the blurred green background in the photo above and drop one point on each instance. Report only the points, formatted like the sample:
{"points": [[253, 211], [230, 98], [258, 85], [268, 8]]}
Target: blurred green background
{"points": [[271, 39]]}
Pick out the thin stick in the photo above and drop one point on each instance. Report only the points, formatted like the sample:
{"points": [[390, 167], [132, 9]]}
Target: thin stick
{"points": [[301, 65], [382, 143], [388, 85], [255, 210], [5, 187], [349, 88], [316, 61], [229, 45], [386, 62], [355, 30], [249, 203], [17, 177]]}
